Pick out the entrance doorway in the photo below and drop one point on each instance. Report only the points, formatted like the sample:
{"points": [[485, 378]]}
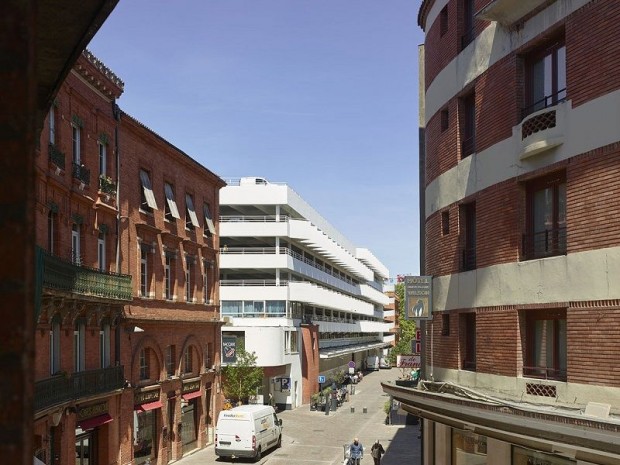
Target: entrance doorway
{"points": [[85, 451]]}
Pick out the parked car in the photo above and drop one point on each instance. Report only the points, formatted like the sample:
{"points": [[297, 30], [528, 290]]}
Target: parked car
{"points": [[384, 363]]}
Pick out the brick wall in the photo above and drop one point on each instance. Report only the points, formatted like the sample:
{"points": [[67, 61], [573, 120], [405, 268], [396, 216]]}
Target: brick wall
{"points": [[497, 341], [309, 361]]}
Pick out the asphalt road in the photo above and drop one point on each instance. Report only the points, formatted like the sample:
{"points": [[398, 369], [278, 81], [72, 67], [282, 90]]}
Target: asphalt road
{"points": [[313, 438]]}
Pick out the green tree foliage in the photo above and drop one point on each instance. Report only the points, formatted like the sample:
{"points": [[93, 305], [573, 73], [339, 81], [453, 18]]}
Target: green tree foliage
{"points": [[241, 380], [407, 327]]}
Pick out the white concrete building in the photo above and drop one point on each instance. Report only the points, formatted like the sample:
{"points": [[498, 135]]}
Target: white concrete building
{"points": [[289, 280]]}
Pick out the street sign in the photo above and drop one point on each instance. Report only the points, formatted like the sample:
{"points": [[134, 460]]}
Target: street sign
{"points": [[408, 361], [418, 334], [351, 364], [321, 379], [418, 347]]}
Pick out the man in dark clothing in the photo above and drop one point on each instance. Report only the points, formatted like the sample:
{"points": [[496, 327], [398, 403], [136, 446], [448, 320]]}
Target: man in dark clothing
{"points": [[376, 451]]}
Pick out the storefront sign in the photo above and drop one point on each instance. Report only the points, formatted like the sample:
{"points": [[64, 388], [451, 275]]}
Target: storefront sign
{"points": [[229, 349], [90, 411], [408, 361], [418, 297], [190, 387], [144, 397]]}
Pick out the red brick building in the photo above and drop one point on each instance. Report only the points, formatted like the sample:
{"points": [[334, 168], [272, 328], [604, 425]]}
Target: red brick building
{"points": [[127, 333], [522, 191]]}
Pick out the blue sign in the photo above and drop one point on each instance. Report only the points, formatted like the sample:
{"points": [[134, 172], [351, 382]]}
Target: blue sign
{"points": [[321, 379], [351, 364], [285, 384]]}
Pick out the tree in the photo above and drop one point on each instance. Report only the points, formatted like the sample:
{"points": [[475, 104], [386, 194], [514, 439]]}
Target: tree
{"points": [[407, 327], [241, 380]]}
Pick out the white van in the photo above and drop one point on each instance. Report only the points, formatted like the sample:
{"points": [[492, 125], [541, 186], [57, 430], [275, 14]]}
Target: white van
{"points": [[372, 362], [247, 431]]}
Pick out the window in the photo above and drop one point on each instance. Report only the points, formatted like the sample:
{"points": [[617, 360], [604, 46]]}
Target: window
{"points": [[545, 78], [169, 271], [209, 356], [79, 341], [546, 217], [445, 223], [293, 341], [103, 159], [170, 207], [445, 120], [468, 125], [468, 341], [145, 270], [147, 198], [75, 244], [104, 345], [545, 351], [443, 21], [101, 252], [209, 226], [189, 278], [55, 345], [191, 220], [468, 233], [52, 122], [171, 360], [187, 360], [445, 324], [468, 23], [144, 364], [253, 308], [52, 222], [76, 145], [205, 282]]}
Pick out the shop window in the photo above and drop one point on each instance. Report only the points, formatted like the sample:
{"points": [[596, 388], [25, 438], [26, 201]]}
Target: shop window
{"points": [[522, 456], [545, 71], [546, 348], [546, 217], [145, 437], [468, 448]]}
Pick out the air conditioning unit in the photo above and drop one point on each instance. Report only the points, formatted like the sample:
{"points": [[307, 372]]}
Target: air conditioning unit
{"points": [[227, 320]]}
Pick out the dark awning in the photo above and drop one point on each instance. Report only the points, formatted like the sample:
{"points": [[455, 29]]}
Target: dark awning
{"points": [[191, 395], [93, 422], [148, 406]]}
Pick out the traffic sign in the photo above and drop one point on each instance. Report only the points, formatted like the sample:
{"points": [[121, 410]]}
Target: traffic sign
{"points": [[351, 364], [321, 379]]}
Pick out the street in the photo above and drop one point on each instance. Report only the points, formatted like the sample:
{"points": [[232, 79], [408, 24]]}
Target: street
{"points": [[313, 438]]}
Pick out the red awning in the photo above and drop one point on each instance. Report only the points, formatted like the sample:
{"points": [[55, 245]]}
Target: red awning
{"points": [[91, 423], [148, 406], [191, 395]]}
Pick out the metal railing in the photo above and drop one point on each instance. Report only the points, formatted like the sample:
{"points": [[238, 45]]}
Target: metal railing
{"points": [[62, 388], [81, 173], [346, 341], [253, 219], [545, 102], [544, 244], [252, 282], [56, 156], [61, 275]]}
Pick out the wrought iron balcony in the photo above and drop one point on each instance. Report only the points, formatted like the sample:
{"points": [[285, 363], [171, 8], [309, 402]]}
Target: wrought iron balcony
{"points": [[545, 373], [546, 243], [81, 173], [107, 186], [56, 156], [62, 388], [64, 276]]}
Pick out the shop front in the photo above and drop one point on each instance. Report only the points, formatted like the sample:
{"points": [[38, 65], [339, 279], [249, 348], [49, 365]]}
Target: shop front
{"points": [[147, 411], [91, 430], [190, 414], [468, 448]]}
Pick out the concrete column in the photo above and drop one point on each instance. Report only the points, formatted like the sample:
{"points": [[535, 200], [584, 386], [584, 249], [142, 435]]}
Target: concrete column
{"points": [[443, 444], [498, 452]]}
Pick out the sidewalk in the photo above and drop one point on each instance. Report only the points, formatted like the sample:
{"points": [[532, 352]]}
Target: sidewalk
{"points": [[311, 437]]}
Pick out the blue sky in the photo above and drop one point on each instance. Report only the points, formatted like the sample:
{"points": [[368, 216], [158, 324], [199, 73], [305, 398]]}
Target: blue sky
{"points": [[320, 94]]}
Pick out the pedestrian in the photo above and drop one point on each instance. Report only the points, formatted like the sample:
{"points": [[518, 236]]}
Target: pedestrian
{"points": [[376, 451], [356, 452]]}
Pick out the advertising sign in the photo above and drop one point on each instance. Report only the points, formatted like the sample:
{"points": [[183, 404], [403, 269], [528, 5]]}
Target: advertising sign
{"points": [[285, 384], [418, 297], [321, 379], [229, 349], [408, 361]]}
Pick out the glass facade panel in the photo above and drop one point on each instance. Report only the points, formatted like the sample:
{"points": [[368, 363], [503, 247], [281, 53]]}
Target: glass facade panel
{"points": [[468, 448], [144, 446], [521, 456]]}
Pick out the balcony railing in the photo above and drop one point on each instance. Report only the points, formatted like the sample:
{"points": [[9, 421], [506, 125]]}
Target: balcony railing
{"points": [[253, 219], [544, 244], [56, 156], [468, 259], [252, 282], [61, 388], [107, 186], [61, 275], [545, 102], [81, 173]]}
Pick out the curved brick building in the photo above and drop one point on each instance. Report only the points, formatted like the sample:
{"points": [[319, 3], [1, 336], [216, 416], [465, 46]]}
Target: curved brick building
{"points": [[521, 197]]}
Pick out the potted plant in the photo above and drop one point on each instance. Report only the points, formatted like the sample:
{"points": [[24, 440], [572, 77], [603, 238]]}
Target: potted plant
{"points": [[314, 400]]}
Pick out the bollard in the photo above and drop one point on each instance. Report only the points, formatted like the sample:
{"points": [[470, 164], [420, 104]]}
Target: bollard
{"points": [[365, 409], [352, 409]]}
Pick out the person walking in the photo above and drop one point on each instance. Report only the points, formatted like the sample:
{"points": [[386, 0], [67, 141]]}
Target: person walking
{"points": [[376, 451], [356, 452]]}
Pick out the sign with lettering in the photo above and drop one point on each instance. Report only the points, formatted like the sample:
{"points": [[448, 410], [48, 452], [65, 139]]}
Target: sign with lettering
{"points": [[90, 411], [408, 361], [229, 349], [418, 297], [418, 334], [190, 387], [143, 397]]}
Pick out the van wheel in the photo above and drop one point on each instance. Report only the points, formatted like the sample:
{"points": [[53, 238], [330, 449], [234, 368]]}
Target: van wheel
{"points": [[279, 444], [259, 454]]}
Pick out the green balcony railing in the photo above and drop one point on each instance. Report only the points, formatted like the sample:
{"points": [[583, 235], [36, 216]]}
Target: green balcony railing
{"points": [[61, 388], [61, 275], [56, 156]]}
